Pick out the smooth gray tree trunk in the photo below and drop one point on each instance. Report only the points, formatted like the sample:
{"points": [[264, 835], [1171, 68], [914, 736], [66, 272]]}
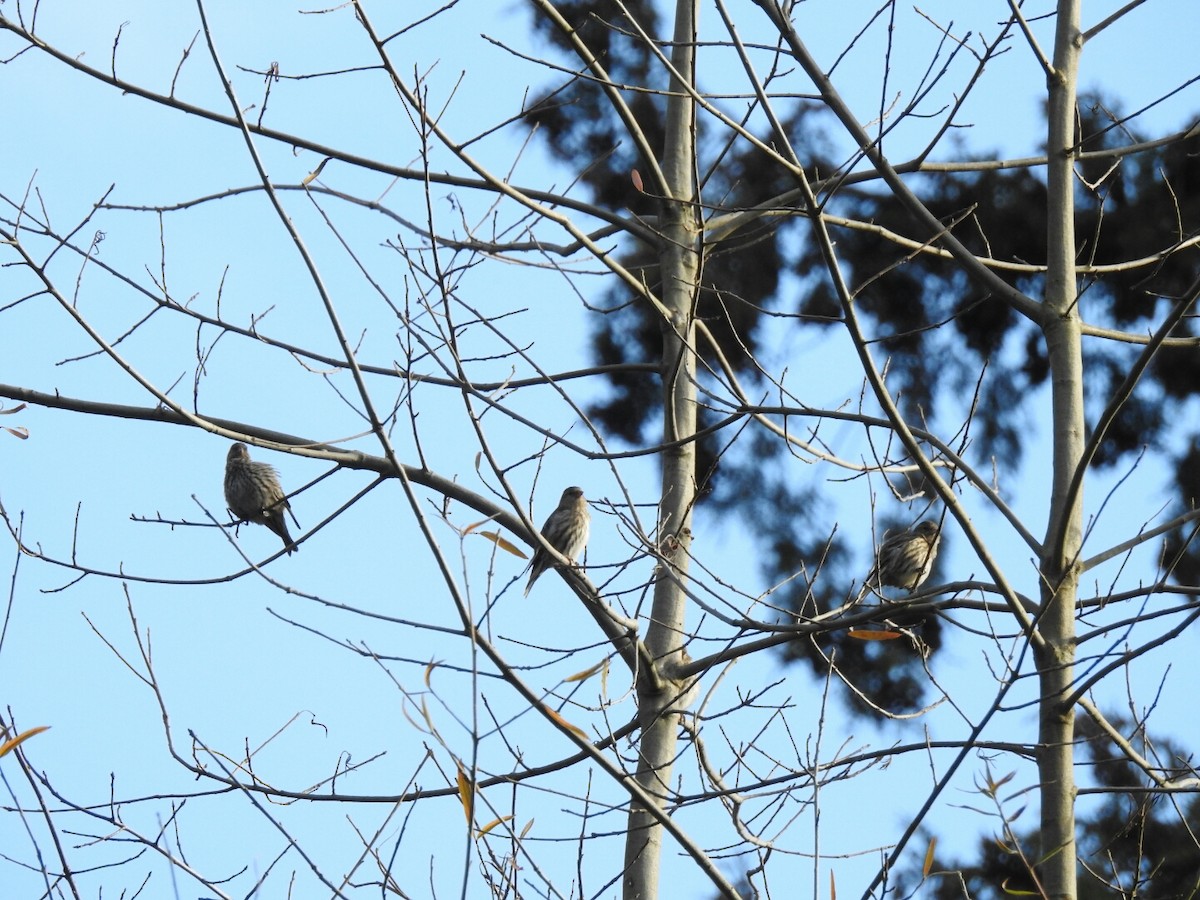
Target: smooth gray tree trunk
{"points": [[1055, 651], [679, 261]]}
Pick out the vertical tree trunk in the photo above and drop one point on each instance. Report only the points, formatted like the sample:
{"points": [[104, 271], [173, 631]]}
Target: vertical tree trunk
{"points": [[679, 260], [1056, 653]]}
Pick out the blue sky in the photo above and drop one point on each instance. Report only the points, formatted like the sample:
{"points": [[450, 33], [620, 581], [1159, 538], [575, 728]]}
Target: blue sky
{"points": [[231, 669]]}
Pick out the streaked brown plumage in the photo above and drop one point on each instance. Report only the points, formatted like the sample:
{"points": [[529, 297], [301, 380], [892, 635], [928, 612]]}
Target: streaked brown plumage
{"points": [[253, 493], [566, 530], [905, 559]]}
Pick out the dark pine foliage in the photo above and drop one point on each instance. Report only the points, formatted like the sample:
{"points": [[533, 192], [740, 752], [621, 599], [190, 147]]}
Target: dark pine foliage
{"points": [[755, 280]]}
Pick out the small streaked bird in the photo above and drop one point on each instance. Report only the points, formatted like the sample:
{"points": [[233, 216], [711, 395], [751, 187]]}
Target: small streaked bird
{"points": [[566, 531], [905, 559], [253, 493]]}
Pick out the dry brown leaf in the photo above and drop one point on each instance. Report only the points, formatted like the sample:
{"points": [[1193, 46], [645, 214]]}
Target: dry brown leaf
{"points": [[574, 729], [312, 176], [872, 634], [588, 673]]}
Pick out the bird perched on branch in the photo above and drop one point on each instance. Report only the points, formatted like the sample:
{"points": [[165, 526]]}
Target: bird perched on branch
{"points": [[905, 559], [566, 531], [253, 493]]}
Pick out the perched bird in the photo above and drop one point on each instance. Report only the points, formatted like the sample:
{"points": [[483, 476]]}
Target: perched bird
{"points": [[253, 493], [566, 531], [905, 559]]}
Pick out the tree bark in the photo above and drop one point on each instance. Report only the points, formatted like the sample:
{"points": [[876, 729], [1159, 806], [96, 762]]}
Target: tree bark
{"points": [[1055, 651], [679, 262]]}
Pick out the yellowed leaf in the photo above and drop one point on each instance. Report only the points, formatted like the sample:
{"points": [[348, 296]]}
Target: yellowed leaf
{"points": [[490, 825], [588, 673], [21, 738], [429, 674], [1016, 892], [525, 830], [466, 793], [496, 538], [928, 866]]}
